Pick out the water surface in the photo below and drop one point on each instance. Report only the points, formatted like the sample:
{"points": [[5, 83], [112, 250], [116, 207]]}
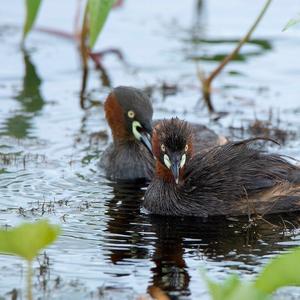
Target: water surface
{"points": [[49, 146]]}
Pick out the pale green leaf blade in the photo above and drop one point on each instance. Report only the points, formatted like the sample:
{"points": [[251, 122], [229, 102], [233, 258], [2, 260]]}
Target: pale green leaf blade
{"points": [[28, 239], [98, 11], [233, 289], [281, 271], [246, 291], [32, 8], [291, 23], [221, 291]]}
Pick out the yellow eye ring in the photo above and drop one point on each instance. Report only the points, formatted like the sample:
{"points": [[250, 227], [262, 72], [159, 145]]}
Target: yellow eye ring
{"points": [[186, 148], [163, 148], [131, 114]]}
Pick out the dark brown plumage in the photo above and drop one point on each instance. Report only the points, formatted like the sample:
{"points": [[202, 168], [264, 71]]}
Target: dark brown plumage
{"points": [[233, 179], [127, 158]]}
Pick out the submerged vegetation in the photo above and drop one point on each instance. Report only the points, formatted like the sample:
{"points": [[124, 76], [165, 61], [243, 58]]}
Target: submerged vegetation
{"points": [[95, 15], [207, 80], [292, 22], [93, 20]]}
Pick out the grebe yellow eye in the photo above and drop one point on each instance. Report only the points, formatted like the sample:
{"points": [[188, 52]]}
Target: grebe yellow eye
{"points": [[163, 148], [186, 147], [131, 114]]}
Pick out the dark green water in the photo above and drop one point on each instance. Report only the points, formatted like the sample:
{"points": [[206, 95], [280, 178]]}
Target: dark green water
{"points": [[49, 146]]}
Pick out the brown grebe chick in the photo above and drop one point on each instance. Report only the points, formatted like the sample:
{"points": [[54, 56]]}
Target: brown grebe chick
{"points": [[129, 114], [233, 179]]}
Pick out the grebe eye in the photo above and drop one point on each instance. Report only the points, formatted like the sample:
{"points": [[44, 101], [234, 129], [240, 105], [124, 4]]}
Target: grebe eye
{"points": [[186, 148], [131, 114], [163, 148]]}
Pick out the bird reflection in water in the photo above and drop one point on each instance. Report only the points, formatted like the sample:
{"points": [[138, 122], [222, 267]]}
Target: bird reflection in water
{"points": [[169, 241]]}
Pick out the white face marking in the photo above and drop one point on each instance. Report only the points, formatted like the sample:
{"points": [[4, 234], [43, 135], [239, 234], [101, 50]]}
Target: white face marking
{"points": [[131, 114], [183, 160], [167, 161], [186, 147], [135, 126], [163, 148]]}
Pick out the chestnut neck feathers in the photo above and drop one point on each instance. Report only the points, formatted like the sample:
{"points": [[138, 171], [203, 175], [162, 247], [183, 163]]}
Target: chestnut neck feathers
{"points": [[115, 118]]}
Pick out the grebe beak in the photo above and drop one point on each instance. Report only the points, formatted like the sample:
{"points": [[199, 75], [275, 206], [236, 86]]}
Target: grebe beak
{"points": [[175, 167], [143, 134], [145, 138]]}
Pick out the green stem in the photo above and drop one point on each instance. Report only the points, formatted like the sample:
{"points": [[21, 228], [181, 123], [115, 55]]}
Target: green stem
{"points": [[29, 280], [207, 82], [83, 40], [84, 50]]}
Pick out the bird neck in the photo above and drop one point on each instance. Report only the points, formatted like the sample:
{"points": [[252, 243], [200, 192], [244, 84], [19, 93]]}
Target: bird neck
{"points": [[116, 120]]}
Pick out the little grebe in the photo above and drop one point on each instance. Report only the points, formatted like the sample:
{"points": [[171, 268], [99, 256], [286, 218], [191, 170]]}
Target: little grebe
{"points": [[232, 179], [129, 114]]}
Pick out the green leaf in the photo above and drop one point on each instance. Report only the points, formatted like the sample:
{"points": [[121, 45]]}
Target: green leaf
{"points": [[98, 11], [234, 289], [32, 7], [291, 23], [28, 239], [246, 291], [281, 271], [220, 291]]}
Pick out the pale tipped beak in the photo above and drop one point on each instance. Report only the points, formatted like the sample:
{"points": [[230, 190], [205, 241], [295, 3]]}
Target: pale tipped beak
{"points": [[143, 134], [175, 168], [145, 138]]}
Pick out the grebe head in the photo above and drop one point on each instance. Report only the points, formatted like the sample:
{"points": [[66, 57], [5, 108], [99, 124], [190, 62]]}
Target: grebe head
{"points": [[129, 114], [172, 145]]}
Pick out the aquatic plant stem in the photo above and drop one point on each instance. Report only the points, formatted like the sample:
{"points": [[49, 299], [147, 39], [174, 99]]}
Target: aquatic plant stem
{"points": [[206, 82], [85, 52], [29, 280]]}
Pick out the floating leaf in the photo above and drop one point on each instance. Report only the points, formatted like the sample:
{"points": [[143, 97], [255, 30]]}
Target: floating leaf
{"points": [[281, 271], [291, 23], [32, 8], [98, 11], [28, 239]]}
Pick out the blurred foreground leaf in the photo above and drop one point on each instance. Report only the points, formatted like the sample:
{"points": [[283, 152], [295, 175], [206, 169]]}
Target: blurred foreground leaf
{"points": [[291, 23], [234, 289], [98, 11], [282, 271], [32, 8], [28, 239]]}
